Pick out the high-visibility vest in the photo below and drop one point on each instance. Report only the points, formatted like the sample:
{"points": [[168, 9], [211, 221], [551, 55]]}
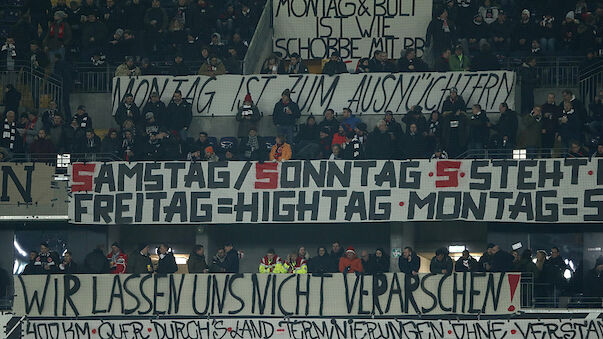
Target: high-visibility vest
{"points": [[269, 266]]}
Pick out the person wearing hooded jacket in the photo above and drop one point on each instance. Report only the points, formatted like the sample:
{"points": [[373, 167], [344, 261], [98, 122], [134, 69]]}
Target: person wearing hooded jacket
{"points": [[139, 261], [196, 260], [231, 263], [167, 261], [378, 262], [321, 263], [95, 262], [248, 116], [441, 263], [350, 263], [285, 115]]}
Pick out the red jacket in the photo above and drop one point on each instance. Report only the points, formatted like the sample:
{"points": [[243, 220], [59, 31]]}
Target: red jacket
{"points": [[119, 264], [355, 265]]}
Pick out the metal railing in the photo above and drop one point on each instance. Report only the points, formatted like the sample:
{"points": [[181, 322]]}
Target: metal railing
{"points": [[531, 153], [51, 158], [35, 85], [591, 81], [554, 72]]}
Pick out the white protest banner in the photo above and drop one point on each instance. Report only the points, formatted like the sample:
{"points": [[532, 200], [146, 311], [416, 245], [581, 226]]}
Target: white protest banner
{"points": [[373, 93], [355, 28], [315, 328], [545, 190], [255, 294]]}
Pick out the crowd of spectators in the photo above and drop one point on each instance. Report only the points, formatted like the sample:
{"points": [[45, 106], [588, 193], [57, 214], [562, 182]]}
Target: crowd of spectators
{"points": [[548, 271], [159, 132]]}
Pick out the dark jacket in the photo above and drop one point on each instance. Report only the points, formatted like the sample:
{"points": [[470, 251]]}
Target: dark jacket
{"points": [[507, 125], [501, 261], [124, 113], [332, 125], [320, 264], [12, 98], [280, 117], [441, 38], [246, 124], [478, 128], [218, 265], [437, 266], [377, 265], [180, 116], [196, 263], [334, 67], [231, 264], [376, 66], [408, 267], [96, 262], [379, 145], [139, 263], [334, 258], [453, 106], [417, 63], [159, 112], [167, 264], [70, 268], [466, 265], [413, 146]]}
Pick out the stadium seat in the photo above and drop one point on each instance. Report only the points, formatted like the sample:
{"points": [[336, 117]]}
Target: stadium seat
{"points": [[268, 141], [228, 143], [213, 141]]}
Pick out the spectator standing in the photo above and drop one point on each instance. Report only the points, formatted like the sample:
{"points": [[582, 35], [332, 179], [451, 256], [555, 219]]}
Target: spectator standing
{"points": [[139, 261], [281, 151], [329, 122], [350, 263], [441, 263], [10, 140], [379, 144], [335, 65], [352, 149], [42, 145], [440, 32], [218, 262], [551, 113], [321, 263], [92, 143], [337, 253], [577, 105], [269, 262], [530, 136], [118, 261], [96, 262], [48, 115], [554, 269], [179, 68], [501, 32], [413, 145], [127, 109], [378, 262], [180, 115], [47, 260], [506, 126], [11, 99], [307, 140], [453, 102], [248, 116], [232, 259], [466, 263], [548, 32], [454, 127], [273, 65], [478, 128], [56, 134], [156, 23], [285, 115], [128, 68], [157, 107], [570, 125], [59, 36], [524, 32], [31, 128], [529, 80], [500, 261], [409, 262], [167, 261], [31, 267], [593, 284], [67, 265]]}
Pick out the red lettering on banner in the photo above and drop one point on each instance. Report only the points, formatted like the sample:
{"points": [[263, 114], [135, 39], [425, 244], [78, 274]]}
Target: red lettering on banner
{"points": [[266, 171], [80, 181], [448, 169]]}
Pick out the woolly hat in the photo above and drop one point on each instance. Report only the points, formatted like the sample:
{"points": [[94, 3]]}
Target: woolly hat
{"points": [[248, 98], [350, 249], [570, 15]]}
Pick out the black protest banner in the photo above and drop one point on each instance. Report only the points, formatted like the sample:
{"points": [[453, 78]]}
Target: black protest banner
{"points": [[315, 328], [373, 93], [265, 295], [355, 28], [548, 190]]}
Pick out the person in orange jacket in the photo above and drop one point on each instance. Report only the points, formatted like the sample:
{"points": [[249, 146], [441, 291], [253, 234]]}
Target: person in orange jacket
{"points": [[281, 151], [350, 263]]}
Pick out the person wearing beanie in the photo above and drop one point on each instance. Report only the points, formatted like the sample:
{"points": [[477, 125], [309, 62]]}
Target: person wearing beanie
{"points": [[248, 116], [524, 31], [210, 154], [139, 261], [285, 115], [118, 260], [350, 263]]}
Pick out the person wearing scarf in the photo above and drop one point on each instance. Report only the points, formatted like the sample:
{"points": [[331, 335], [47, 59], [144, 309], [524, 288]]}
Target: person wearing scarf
{"points": [[9, 132], [281, 151]]}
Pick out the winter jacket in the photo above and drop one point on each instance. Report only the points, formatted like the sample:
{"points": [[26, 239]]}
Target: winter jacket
{"points": [[59, 35], [453, 106], [42, 146], [332, 125], [269, 266], [441, 34], [459, 62], [417, 63], [208, 69], [353, 150], [501, 261], [139, 263], [376, 66], [531, 134], [123, 70], [466, 265], [231, 263], [353, 265], [349, 124], [507, 125], [281, 117], [196, 263], [68, 268], [299, 266], [159, 112], [379, 145], [377, 265], [320, 264], [167, 263], [408, 267], [478, 128], [179, 116], [413, 146], [436, 266], [49, 260], [334, 67], [96, 262], [281, 152], [246, 124], [111, 146], [125, 112], [218, 265], [118, 263]]}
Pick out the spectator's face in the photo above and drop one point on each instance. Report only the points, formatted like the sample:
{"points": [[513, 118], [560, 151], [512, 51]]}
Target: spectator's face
{"points": [[532, 63], [346, 113], [475, 110], [252, 133], [554, 253], [350, 254], [302, 251], [221, 253], [540, 256], [89, 135], [236, 37], [178, 59], [155, 4], [279, 140], [435, 116], [411, 55], [32, 256], [382, 126], [204, 52], [285, 98], [537, 111], [52, 105], [406, 253], [128, 124], [340, 130], [41, 134], [91, 18], [501, 108], [446, 54], [378, 254], [163, 249], [10, 116], [129, 100], [43, 249], [495, 249], [515, 255], [535, 44], [311, 122], [575, 148], [524, 16], [114, 249], [440, 257], [329, 114], [323, 135], [228, 248], [177, 97], [33, 47], [57, 120], [336, 149], [364, 255], [333, 58], [200, 251], [567, 106], [154, 99], [458, 51], [321, 252], [110, 3], [444, 15], [128, 135], [67, 257], [270, 256], [181, 2], [129, 63], [413, 128], [566, 96], [293, 61], [113, 135], [335, 247], [465, 254], [202, 137], [600, 149], [453, 94], [10, 41]]}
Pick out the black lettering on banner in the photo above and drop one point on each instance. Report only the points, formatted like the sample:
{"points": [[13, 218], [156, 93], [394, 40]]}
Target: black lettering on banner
{"points": [[105, 177], [318, 176], [334, 171], [232, 291], [136, 172], [120, 208], [440, 285], [395, 288], [524, 173], [356, 205], [425, 290], [257, 297], [290, 180], [462, 292], [414, 175], [364, 166], [240, 208], [384, 207], [456, 205], [178, 205], [411, 284], [473, 292], [156, 197], [131, 293], [504, 170], [68, 291], [153, 182], [144, 296], [242, 175], [523, 204], [207, 294], [213, 176], [416, 201], [379, 289], [302, 293], [103, 207], [590, 203], [478, 211], [490, 290], [555, 175], [216, 298], [116, 292], [553, 208], [194, 174], [288, 209], [349, 299], [25, 192], [157, 294], [195, 207], [174, 167], [500, 206], [334, 195], [279, 297], [387, 174], [575, 164], [486, 177], [79, 208], [40, 302], [174, 295], [312, 206], [95, 297]]}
